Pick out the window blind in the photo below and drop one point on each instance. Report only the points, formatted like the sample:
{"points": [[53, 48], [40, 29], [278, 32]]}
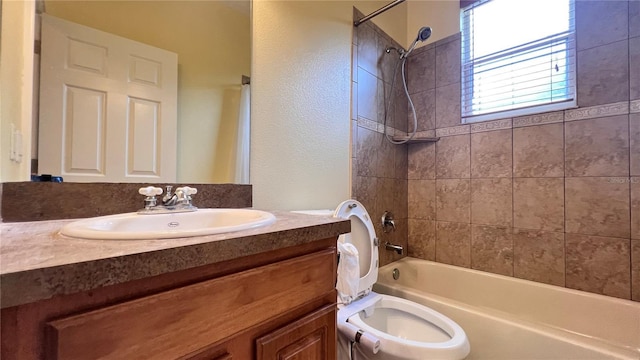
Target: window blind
{"points": [[517, 55]]}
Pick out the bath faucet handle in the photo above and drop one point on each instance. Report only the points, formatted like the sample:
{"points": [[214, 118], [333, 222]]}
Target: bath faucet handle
{"points": [[388, 223]]}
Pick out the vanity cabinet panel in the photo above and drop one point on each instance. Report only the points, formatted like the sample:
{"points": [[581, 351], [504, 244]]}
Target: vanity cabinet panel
{"points": [[174, 323], [310, 338]]}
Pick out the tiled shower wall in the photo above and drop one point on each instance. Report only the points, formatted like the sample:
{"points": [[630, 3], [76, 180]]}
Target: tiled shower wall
{"points": [[379, 168], [553, 197]]}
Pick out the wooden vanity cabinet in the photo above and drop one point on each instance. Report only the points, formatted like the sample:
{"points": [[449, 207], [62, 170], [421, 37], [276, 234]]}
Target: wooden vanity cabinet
{"points": [[278, 305]]}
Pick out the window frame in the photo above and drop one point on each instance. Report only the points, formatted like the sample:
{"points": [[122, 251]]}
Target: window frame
{"points": [[467, 73]]}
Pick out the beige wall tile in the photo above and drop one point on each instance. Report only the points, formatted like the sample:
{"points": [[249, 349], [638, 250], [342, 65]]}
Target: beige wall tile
{"points": [[597, 147], [421, 71], [603, 74], [452, 157], [448, 106], [491, 154], [422, 161], [422, 199], [452, 200], [448, 63], [367, 49], [539, 256], [492, 249], [538, 203], [400, 198], [367, 152], [425, 105], [366, 191], [453, 243], [597, 206], [385, 159], [400, 109], [384, 93], [422, 239], [386, 62], [635, 270], [635, 208], [634, 136], [491, 202], [594, 28], [354, 97], [634, 18], [634, 70], [398, 237], [385, 201], [538, 151], [367, 95], [598, 264], [401, 161]]}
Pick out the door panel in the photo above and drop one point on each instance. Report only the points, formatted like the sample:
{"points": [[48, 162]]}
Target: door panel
{"points": [[108, 106]]}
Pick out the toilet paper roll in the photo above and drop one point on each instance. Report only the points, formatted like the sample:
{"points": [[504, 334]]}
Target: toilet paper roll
{"points": [[366, 340]]}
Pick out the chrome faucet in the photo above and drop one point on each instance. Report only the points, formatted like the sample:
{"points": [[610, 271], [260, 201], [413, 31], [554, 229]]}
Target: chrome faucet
{"points": [[180, 201], [397, 248], [169, 199]]}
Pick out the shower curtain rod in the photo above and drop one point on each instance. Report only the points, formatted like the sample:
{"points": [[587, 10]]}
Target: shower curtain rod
{"points": [[378, 12]]}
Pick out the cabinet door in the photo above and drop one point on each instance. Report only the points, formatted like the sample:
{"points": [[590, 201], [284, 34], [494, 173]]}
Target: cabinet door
{"points": [[179, 322], [310, 338]]}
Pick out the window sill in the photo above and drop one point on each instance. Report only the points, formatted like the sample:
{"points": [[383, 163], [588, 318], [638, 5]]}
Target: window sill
{"points": [[538, 109]]}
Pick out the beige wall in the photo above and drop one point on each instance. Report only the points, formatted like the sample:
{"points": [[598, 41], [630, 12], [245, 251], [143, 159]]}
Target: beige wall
{"points": [[213, 46], [15, 85], [393, 21], [301, 66], [442, 16]]}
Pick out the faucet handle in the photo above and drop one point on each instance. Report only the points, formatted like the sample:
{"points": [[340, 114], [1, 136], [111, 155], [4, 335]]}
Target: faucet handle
{"points": [[388, 223], [187, 191], [150, 191]]}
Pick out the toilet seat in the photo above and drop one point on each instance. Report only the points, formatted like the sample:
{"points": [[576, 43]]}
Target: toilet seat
{"points": [[386, 317], [363, 237], [408, 330]]}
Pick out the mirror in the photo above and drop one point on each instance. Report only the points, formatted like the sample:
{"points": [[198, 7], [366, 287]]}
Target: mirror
{"points": [[212, 40]]}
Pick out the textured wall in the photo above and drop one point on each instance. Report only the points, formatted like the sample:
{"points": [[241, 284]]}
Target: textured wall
{"points": [[299, 116], [552, 197], [16, 85], [379, 168]]}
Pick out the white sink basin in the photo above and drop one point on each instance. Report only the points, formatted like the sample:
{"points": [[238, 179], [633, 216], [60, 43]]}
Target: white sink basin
{"points": [[133, 226]]}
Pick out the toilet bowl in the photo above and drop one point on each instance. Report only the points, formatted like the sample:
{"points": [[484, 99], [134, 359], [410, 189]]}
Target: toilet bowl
{"points": [[404, 330]]}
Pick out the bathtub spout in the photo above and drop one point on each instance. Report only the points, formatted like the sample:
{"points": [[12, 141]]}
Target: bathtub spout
{"points": [[397, 248]]}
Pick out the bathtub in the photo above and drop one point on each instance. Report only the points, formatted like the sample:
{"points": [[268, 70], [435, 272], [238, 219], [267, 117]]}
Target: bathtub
{"points": [[509, 318]]}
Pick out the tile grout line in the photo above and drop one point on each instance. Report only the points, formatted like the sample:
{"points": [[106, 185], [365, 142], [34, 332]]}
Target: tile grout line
{"points": [[564, 200], [630, 154]]}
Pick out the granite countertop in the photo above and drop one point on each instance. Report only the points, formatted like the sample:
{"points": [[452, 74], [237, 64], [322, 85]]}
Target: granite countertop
{"points": [[37, 263]]}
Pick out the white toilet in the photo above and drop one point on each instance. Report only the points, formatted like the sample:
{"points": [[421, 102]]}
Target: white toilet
{"points": [[405, 330]]}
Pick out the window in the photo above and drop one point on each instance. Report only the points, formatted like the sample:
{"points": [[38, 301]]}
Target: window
{"points": [[518, 58]]}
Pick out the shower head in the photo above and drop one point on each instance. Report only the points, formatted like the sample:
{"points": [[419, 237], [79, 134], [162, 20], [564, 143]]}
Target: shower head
{"points": [[423, 34]]}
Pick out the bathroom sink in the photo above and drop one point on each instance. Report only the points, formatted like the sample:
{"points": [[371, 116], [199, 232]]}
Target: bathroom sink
{"points": [[134, 226]]}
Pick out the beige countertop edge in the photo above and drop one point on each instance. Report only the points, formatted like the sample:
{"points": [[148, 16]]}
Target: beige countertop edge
{"points": [[37, 263]]}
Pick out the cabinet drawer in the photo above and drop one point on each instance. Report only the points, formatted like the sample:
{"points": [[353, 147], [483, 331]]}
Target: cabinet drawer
{"points": [[177, 322]]}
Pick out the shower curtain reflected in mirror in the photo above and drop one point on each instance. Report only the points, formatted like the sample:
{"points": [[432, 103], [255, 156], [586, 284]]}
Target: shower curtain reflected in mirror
{"points": [[243, 140]]}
